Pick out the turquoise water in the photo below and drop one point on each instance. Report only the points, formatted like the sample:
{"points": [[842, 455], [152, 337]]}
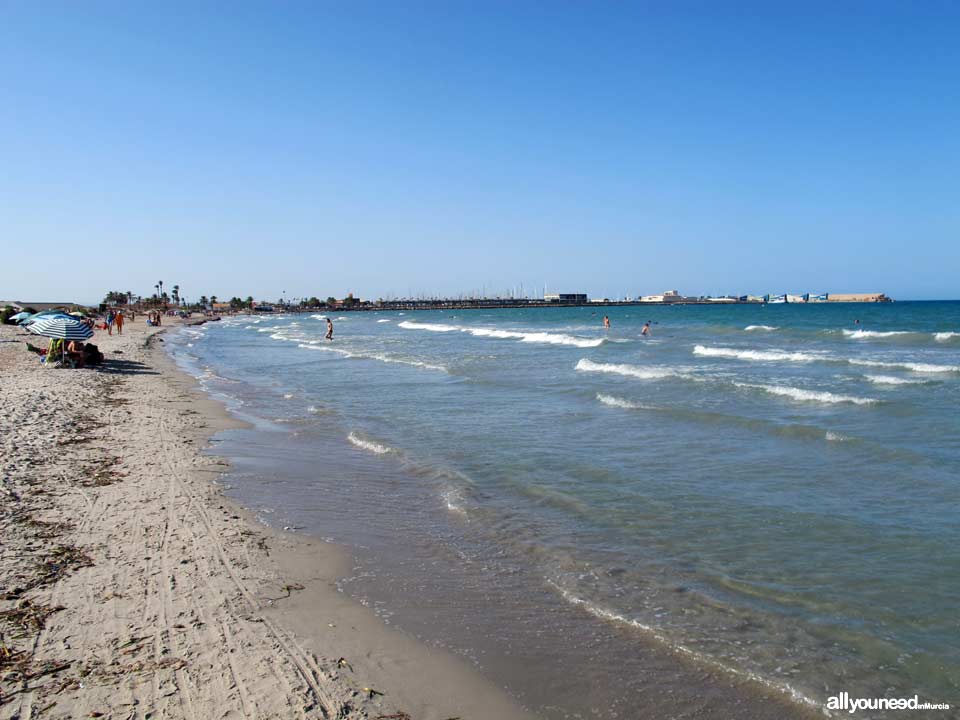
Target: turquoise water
{"points": [[767, 494]]}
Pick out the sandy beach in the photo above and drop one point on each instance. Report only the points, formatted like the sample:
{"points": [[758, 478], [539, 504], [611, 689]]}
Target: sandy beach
{"points": [[131, 588]]}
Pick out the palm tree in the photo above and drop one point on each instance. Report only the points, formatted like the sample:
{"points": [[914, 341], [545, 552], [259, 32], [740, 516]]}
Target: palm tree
{"points": [[176, 294], [160, 284], [213, 300], [203, 301]]}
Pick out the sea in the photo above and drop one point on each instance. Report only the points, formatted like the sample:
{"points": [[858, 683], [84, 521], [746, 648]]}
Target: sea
{"points": [[748, 511]]}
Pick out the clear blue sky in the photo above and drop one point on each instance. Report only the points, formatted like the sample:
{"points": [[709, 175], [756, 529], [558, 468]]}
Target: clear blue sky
{"points": [[384, 148]]}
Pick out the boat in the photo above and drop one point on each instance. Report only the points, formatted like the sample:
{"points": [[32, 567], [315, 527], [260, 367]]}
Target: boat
{"points": [[777, 299]]}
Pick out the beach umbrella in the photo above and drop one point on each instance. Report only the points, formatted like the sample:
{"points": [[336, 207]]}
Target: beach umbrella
{"points": [[42, 314], [61, 328], [20, 316]]}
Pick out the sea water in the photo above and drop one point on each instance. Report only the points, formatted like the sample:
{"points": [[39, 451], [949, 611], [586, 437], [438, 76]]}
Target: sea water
{"points": [[752, 502]]}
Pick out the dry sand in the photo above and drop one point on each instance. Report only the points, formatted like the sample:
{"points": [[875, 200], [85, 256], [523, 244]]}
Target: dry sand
{"points": [[131, 588]]}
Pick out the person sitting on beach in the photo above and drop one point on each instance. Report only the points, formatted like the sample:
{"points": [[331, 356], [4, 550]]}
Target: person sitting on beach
{"points": [[329, 335], [75, 351]]}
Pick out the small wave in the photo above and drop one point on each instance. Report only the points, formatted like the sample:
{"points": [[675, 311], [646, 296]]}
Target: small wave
{"points": [[314, 345], [913, 366], [432, 327], [384, 320], [807, 395], [865, 334], [620, 402], [891, 380], [765, 328], [945, 336], [835, 437], [454, 501], [319, 317], [761, 355], [269, 329], [643, 373], [368, 445], [531, 337], [288, 396], [697, 656]]}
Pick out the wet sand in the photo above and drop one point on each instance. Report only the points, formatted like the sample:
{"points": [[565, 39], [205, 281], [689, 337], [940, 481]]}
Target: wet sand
{"points": [[130, 587]]}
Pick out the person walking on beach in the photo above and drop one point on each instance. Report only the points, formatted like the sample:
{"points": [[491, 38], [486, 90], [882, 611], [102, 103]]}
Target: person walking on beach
{"points": [[606, 322], [118, 319], [329, 335], [646, 329], [109, 322]]}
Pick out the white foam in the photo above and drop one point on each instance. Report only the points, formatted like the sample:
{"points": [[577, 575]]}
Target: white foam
{"points": [[368, 445], [759, 355], [384, 320], [620, 402], [835, 437], [315, 345], [432, 327], [913, 366], [945, 336], [454, 501], [699, 657], [531, 337], [288, 396], [807, 395], [635, 371], [765, 328], [891, 380], [865, 334], [319, 317]]}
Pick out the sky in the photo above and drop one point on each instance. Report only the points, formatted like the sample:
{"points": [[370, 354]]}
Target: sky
{"points": [[391, 149]]}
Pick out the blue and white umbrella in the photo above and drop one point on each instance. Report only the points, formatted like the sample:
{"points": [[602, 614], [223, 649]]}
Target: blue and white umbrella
{"points": [[61, 327], [19, 316]]}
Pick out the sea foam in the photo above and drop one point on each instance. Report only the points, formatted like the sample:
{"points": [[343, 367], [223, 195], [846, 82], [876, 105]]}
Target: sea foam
{"points": [[891, 380], [760, 355], [765, 328], [913, 366], [620, 402], [531, 337], [368, 445], [807, 395], [635, 371]]}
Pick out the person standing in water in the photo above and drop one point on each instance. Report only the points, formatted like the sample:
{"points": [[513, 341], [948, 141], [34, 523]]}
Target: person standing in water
{"points": [[606, 322], [329, 335], [646, 329]]}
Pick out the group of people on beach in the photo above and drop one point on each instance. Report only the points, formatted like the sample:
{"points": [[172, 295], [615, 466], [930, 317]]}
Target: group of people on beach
{"points": [[114, 319]]}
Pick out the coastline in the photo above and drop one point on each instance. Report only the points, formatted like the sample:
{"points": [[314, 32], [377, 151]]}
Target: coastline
{"points": [[132, 587]]}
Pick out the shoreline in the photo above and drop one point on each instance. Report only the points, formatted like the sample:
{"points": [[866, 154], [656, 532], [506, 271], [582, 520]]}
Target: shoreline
{"points": [[168, 599]]}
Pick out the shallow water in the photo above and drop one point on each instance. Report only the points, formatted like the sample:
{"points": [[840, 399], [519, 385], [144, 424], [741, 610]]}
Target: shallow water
{"points": [[768, 493]]}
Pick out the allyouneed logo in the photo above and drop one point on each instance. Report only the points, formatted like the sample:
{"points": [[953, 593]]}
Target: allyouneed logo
{"points": [[843, 701]]}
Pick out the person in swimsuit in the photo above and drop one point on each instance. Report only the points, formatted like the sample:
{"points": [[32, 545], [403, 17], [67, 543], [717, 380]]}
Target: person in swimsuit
{"points": [[646, 329], [606, 323], [329, 335]]}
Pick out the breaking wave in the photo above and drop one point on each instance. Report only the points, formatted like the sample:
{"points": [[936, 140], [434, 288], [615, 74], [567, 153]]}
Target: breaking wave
{"points": [[891, 380], [945, 336], [619, 402], [642, 373], [766, 328], [315, 345], [807, 395], [864, 334], [368, 445], [913, 366], [761, 355], [531, 337]]}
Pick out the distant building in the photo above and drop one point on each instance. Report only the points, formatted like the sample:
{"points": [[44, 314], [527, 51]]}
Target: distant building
{"points": [[565, 297], [669, 296], [858, 297]]}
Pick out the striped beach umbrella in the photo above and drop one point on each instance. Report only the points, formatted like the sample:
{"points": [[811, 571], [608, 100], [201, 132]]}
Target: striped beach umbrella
{"points": [[61, 327]]}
